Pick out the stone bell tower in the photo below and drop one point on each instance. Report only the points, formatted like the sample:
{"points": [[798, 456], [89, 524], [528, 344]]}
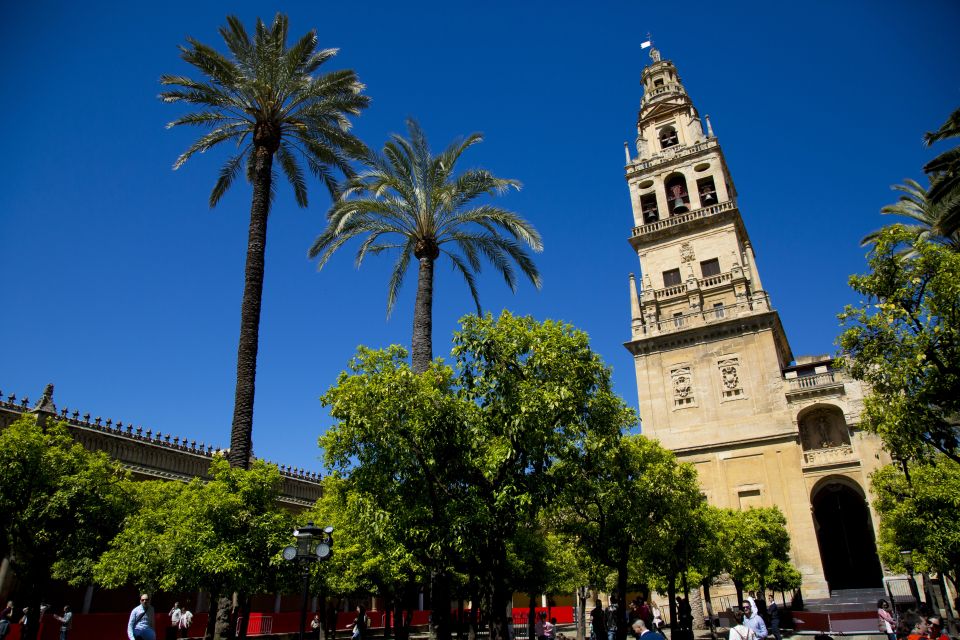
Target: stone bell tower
{"points": [[716, 379]]}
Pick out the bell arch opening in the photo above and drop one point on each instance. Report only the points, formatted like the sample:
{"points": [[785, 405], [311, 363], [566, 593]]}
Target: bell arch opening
{"points": [[848, 549]]}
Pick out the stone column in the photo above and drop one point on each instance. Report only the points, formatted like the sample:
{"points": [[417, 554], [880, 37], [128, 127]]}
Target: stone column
{"points": [[754, 272]]}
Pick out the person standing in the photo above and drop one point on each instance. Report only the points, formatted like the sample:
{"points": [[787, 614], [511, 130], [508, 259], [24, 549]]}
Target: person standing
{"points": [[539, 625], [66, 622], [753, 620], [315, 627], [6, 620], [740, 631], [935, 629], [885, 619], [613, 618], [642, 632], [186, 619], [598, 622], [773, 612], [360, 623], [140, 624], [173, 626], [550, 629]]}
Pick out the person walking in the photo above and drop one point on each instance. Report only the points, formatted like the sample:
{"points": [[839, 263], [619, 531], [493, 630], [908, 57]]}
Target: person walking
{"points": [[753, 620], [66, 622], [6, 619], [173, 626], [538, 626], [140, 624], [186, 619]]}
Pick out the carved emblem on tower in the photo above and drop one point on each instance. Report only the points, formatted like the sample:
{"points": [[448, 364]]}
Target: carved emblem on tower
{"points": [[686, 252]]}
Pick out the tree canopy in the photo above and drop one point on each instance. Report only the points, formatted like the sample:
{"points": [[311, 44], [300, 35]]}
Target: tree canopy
{"points": [[903, 339]]}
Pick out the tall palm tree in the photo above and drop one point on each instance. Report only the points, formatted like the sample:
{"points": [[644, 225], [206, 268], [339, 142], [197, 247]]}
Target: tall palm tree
{"points": [[944, 173], [915, 204], [268, 100], [408, 199]]}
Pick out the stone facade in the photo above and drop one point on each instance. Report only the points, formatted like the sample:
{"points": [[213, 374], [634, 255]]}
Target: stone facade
{"points": [[152, 455], [716, 378]]}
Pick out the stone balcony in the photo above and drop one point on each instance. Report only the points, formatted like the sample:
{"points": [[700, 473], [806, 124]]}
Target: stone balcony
{"points": [[828, 456], [679, 223], [668, 89], [669, 155], [710, 282], [821, 383], [758, 302]]}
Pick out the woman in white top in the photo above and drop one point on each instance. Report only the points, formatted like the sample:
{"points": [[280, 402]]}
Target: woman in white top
{"points": [[741, 631]]}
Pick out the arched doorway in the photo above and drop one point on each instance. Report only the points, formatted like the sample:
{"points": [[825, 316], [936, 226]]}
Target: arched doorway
{"points": [[845, 535]]}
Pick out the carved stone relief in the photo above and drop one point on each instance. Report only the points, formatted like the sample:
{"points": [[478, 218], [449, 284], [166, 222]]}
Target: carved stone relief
{"points": [[686, 252], [681, 379], [731, 385], [824, 429]]}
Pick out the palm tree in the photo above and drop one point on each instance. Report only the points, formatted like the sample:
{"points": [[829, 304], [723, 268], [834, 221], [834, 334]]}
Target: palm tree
{"points": [[408, 199], [944, 173], [915, 203], [266, 99]]}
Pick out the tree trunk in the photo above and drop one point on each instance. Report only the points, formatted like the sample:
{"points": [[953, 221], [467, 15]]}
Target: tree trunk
{"points": [[440, 604], [422, 347], [244, 617], [241, 432], [531, 617], [709, 605], [210, 632], [739, 587], [672, 601], [222, 629], [623, 557], [696, 608]]}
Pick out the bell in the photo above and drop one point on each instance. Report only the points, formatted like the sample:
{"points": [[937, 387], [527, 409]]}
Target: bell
{"points": [[708, 196], [679, 206]]}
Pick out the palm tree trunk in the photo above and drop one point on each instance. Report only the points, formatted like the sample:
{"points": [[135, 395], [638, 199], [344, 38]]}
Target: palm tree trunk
{"points": [[423, 317], [240, 434]]}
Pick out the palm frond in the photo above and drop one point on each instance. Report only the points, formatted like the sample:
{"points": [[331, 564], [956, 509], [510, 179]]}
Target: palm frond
{"points": [[294, 174], [396, 278], [467, 274], [228, 173]]}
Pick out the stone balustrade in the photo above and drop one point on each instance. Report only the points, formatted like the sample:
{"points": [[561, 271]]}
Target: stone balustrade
{"points": [[672, 221], [670, 292], [152, 453], [670, 154], [656, 92], [810, 382], [716, 281], [828, 455]]}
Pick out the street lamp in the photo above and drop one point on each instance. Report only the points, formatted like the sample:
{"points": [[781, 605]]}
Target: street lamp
{"points": [[907, 556], [312, 544]]}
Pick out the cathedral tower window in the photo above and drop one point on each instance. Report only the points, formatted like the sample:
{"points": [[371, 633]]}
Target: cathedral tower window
{"points": [[710, 267], [671, 278], [648, 205], [707, 191], [718, 310], [668, 137], [678, 198]]}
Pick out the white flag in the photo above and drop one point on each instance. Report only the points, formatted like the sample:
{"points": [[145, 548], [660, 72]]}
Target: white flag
{"points": [[644, 45]]}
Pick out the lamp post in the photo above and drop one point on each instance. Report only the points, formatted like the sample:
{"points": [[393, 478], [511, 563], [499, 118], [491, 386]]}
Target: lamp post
{"points": [[312, 544], [907, 556]]}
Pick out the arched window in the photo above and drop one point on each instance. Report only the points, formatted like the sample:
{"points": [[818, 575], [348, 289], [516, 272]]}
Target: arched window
{"points": [[668, 137], [707, 191], [678, 198], [648, 207]]}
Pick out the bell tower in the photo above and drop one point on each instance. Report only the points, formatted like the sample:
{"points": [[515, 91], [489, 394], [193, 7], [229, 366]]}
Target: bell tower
{"points": [[714, 367]]}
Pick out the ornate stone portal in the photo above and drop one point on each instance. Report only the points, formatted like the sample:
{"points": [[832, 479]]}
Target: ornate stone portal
{"points": [[716, 378]]}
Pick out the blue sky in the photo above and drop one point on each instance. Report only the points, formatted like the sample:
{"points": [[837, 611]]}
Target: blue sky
{"points": [[123, 288]]}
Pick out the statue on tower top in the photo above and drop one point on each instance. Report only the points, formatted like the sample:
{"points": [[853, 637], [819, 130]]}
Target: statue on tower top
{"points": [[654, 52]]}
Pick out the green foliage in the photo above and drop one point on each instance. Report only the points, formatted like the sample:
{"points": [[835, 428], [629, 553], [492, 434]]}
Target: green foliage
{"points": [[269, 94], [369, 556], [904, 341], [928, 217], [225, 535], [919, 513], [944, 173], [60, 503], [413, 200], [757, 544], [460, 460]]}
